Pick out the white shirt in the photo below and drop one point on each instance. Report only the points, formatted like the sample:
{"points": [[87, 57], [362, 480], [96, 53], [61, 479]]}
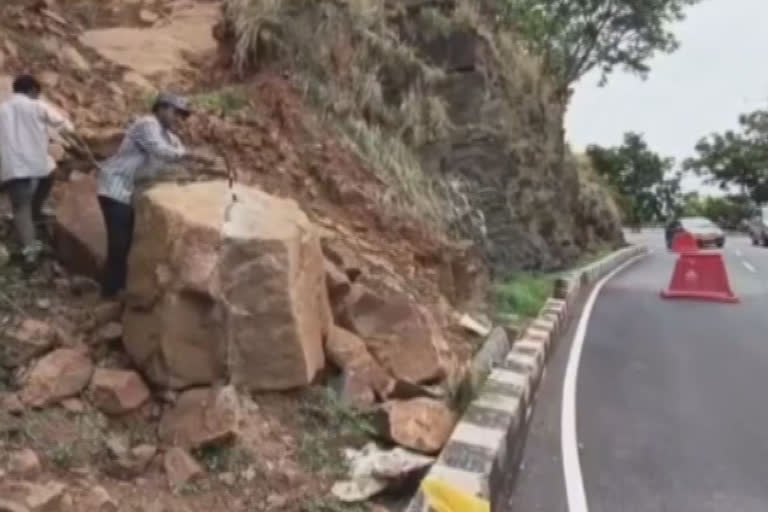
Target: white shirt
{"points": [[24, 136]]}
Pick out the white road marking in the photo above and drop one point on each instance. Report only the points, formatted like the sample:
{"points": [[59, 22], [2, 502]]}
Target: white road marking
{"points": [[574, 482], [738, 253], [749, 266]]}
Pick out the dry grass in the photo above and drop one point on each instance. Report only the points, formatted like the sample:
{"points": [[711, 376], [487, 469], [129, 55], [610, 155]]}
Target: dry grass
{"points": [[343, 57], [328, 425], [351, 61], [593, 186]]}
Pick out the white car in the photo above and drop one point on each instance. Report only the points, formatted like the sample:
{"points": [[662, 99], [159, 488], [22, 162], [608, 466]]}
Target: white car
{"points": [[758, 227], [703, 230]]}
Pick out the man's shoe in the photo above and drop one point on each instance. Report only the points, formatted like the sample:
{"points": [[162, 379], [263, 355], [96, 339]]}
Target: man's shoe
{"points": [[30, 256]]}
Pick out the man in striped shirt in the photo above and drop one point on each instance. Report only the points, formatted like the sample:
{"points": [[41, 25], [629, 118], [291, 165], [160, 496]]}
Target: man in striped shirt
{"points": [[148, 144], [26, 169]]}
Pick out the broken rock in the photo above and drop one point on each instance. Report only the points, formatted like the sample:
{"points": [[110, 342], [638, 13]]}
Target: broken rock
{"points": [[125, 462], [73, 405], [421, 424], [180, 467], [24, 463], [99, 500], [46, 497], [356, 390], [107, 312], [139, 81], [108, 333], [117, 391], [223, 289], [61, 374], [401, 335], [10, 403], [25, 342], [11, 506], [147, 16], [337, 282], [74, 58], [79, 235], [201, 417], [348, 352]]}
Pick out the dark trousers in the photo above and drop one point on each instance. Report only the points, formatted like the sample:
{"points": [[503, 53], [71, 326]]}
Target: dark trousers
{"points": [[119, 220]]}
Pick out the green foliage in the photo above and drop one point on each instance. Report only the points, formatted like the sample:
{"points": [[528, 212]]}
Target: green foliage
{"points": [[524, 294], [737, 158], [328, 425], [729, 212], [224, 100], [577, 36], [223, 457], [644, 180]]}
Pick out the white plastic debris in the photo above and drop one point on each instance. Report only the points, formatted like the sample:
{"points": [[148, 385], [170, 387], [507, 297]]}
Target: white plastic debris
{"points": [[470, 324], [372, 470]]}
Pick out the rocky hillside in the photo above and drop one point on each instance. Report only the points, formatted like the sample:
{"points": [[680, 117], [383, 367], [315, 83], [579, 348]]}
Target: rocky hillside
{"points": [[386, 157], [448, 110]]}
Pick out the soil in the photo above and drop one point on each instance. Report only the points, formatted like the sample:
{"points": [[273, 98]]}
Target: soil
{"points": [[289, 453]]}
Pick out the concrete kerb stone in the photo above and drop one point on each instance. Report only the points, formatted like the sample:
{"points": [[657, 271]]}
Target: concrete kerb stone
{"points": [[484, 452], [492, 353]]}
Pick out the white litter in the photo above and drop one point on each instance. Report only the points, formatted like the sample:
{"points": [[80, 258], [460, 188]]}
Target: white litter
{"points": [[372, 470]]}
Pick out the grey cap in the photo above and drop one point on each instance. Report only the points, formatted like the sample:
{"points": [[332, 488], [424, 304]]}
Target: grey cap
{"points": [[180, 103]]}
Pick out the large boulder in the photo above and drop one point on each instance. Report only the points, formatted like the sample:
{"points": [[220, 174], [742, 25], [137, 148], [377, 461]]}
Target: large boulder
{"points": [[80, 237], [400, 334], [225, 289]]}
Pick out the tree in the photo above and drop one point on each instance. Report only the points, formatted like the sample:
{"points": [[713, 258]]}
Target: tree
{"points": [[728, 211], [644, 180], [669, 195], [577, 36], [737, 158]]}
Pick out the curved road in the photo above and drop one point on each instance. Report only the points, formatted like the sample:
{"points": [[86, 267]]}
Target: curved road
{"points": [[669, 414]]}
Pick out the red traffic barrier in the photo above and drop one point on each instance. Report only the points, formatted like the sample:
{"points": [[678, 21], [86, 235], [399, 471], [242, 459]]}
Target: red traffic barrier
{"points": [[684, 242], [700, 276]]}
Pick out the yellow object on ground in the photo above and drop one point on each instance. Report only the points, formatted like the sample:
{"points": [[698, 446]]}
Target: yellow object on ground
{"points": [[445, 498]]}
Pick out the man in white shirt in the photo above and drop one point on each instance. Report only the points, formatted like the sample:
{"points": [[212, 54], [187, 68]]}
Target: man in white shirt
{"points": [[25, 166]]}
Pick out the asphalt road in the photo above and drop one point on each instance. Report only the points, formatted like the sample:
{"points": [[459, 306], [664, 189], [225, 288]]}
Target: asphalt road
{"points": [[669, 414]]}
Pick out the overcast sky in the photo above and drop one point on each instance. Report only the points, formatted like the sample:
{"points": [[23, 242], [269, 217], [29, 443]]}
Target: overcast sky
{"points": [[720, 71]]}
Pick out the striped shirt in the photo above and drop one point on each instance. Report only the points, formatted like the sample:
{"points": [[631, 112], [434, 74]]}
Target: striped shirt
{"points": [[146, 147]]}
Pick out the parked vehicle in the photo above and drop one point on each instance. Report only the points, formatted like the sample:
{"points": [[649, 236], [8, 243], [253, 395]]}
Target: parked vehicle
{"points": [[758, 227], [706, 232]]}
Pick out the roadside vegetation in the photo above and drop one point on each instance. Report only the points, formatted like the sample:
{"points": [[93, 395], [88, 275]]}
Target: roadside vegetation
{"points": [[523, 295], [647, 186]]}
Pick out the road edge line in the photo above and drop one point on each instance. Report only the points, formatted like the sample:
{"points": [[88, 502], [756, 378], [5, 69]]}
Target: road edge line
{"points": [[574, 481], [483, 454]]}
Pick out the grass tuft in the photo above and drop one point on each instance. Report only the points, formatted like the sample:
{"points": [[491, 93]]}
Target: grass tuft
{"points": [[220, 458], [222, 101], [524, 294], [350, 61], [328, 426]]}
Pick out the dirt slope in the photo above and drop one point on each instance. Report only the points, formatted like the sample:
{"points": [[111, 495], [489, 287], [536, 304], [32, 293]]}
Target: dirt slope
{"points": [[417, 137], [448, 110], [288, 453]]}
